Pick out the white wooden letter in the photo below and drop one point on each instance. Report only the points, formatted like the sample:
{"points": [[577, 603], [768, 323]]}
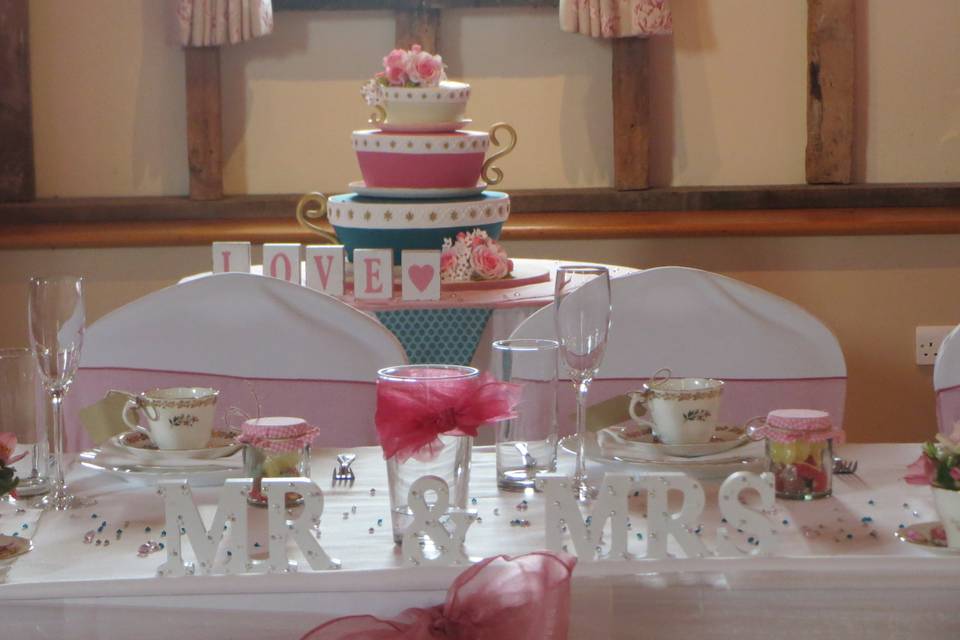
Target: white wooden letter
{"points": [[426, 522], [325, 268], [563, 515], [681, 525], [282, 261], [280, 528], [183, 518], [373, 274], [751, 522], [420, 275], [231, 256]]}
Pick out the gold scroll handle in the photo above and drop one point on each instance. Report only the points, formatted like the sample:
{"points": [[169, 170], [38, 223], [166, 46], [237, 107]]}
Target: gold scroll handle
{"points": [[508, 147], [379, 115], [305, 215]]}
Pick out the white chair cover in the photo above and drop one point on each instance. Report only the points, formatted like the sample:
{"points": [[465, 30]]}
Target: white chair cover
{"points": [[270, 347], [946, 382], [771, 353]]}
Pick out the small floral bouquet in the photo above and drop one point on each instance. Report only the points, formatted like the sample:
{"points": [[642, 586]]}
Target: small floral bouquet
{"points": [[8, 476], [402, 68], [473, 256], [939, 463]]}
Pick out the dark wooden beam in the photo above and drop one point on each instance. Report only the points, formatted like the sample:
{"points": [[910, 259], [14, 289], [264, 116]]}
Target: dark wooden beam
{"points": [[584, 201], [631, 113], [830, 91], [204, 130], [418, 26], [521, 226], [17, 179]]}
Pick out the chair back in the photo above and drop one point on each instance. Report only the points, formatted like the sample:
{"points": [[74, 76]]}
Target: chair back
{"points": [[270, 347], [946, 382], [770, 352]]}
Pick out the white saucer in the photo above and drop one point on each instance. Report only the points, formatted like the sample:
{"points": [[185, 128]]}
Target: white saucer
{"points": [[922, 535], [139, 446], [426, 127], [361, 189], [643, 443]]}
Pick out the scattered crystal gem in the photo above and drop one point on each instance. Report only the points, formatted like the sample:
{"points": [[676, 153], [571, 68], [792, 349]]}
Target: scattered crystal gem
{"points": [[785, 522], [519, 522], [373, 492], [496, 511], [871, 502], [106, 543], [353, 509], [163, 534], [99, 542], [25, 526], [866, 519], [89, 536], [147, 529], [473, 501], [370, 530], [21, 510], [639, 536], [93, 516]]}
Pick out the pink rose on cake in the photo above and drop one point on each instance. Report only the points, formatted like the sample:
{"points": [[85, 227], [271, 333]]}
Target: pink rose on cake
{"points": [[489, 261], [395, 66], [423, 68], [448, 263]]}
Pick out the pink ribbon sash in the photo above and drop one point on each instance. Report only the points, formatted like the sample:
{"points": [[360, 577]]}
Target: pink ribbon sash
{"points": [[522, 598]]}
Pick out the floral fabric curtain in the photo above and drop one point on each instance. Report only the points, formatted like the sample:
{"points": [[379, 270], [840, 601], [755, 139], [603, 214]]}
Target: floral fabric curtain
{"points": [[209, 23], [616, 18]]}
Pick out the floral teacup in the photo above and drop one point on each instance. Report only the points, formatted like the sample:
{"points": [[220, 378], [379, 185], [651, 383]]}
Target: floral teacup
{"points": [[681, 410], [176, 418]]}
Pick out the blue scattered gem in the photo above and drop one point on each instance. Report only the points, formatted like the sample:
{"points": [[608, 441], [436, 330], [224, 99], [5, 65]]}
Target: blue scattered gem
{"points": [[93, 516], [256, 544], [871, 502], [161, 545], [473, 501], [163, 533], [24, 526], [379, 522], [849, 536], [750, 539], [866, 519], [723, 520], [229, 553], [639, 536], [785, 522], [147, 529], [183, 530], [902, 525]]}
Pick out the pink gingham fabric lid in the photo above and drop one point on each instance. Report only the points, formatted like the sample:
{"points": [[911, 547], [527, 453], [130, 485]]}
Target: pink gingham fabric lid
{"points": [[277, 434], [791, 425]]}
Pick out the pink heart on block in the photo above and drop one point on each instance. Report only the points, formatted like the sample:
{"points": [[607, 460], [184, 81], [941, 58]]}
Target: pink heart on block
{"points": [[420, 276]]}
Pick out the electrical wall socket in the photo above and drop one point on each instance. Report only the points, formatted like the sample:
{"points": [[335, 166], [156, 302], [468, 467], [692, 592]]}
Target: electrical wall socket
{"points": [[928, 342]]}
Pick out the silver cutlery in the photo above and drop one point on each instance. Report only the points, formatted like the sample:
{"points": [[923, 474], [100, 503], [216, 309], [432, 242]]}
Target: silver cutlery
{"points": [[342, 473], [842, 466], [528, 460]]}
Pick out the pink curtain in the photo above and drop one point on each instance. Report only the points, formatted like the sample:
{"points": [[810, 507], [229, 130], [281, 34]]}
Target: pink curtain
{"points": [[209, 23], [616, 18]]}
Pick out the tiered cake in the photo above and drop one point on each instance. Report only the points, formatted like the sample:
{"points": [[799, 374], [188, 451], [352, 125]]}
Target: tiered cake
{"points": [[424, 177]]}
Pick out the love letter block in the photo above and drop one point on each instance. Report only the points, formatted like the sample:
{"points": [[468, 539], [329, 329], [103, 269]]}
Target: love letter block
{"points": [[325, 268], [231, 256], [373, 274], [282, 261], [420, 278]]}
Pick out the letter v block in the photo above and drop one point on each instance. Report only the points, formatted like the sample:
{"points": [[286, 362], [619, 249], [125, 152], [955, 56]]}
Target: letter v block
{"points": [[325, 268]]}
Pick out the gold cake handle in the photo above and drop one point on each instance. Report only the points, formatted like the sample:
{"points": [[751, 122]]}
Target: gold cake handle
{"points": [[488, 163], [305, 214], [379, 115]]}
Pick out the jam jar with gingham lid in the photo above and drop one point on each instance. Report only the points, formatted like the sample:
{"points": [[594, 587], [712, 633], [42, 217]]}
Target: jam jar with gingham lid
{"points": [[276, 448], [799, 444]]}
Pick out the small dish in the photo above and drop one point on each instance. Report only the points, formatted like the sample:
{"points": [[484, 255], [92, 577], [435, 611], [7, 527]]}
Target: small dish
{"points": [[927, 535], [643, 443], [361, 189], [142, 448], [13, 546], [425, 127]]}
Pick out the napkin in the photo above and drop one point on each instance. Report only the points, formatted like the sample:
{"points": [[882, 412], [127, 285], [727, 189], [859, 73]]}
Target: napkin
{"points": [[103, 419]]}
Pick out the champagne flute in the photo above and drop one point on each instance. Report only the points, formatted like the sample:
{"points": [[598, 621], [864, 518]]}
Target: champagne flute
{"points": [[56, 318], [582, 318]]}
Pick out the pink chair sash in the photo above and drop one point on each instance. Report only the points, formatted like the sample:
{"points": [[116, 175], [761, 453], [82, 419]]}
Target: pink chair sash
{"points": [[342, 410], [742, 399], [948, 409], [521, 598]]}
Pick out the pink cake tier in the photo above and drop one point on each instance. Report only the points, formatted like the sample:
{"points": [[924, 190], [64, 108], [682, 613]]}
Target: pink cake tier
{"points": [[420, 160]]}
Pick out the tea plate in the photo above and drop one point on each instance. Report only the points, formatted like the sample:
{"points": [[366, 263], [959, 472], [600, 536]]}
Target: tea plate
{"points": [[111, 460], [426, 127], [642, 442], [361, 189], [929, 536], [140, 447]]}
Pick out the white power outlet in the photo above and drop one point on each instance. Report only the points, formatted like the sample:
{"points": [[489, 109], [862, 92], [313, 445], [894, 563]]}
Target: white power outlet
{"points": [[928, 342]]}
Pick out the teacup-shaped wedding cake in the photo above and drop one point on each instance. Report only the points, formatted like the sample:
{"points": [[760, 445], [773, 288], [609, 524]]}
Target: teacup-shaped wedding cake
{"points": [[430, 161], [370, 223]]}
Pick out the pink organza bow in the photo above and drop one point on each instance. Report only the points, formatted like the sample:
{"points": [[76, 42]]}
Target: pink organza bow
{"points": [[410, 417], [503, 598]]}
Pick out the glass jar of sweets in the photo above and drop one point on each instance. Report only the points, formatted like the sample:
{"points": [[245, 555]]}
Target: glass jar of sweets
{"points": [[799, 445], [276, 448]]}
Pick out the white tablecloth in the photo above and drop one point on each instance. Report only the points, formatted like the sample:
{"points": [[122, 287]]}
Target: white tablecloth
{"points": [[830, 578]]}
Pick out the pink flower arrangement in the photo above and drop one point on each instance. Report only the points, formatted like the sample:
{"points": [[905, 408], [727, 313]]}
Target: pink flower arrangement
{"points": [[8, 478], [939, 463], [473, 255], [402, 68]]}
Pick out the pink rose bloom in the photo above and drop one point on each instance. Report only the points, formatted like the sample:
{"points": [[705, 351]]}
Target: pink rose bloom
{"points": [[395, 66], [955, 474], [478, 240], [448, 262], [489, 262], [8, 444], [921, 471], [424, 68]]}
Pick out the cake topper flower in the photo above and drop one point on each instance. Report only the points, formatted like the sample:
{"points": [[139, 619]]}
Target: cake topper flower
{"points": [[939, 463], [413, 68], [473, 255]]}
